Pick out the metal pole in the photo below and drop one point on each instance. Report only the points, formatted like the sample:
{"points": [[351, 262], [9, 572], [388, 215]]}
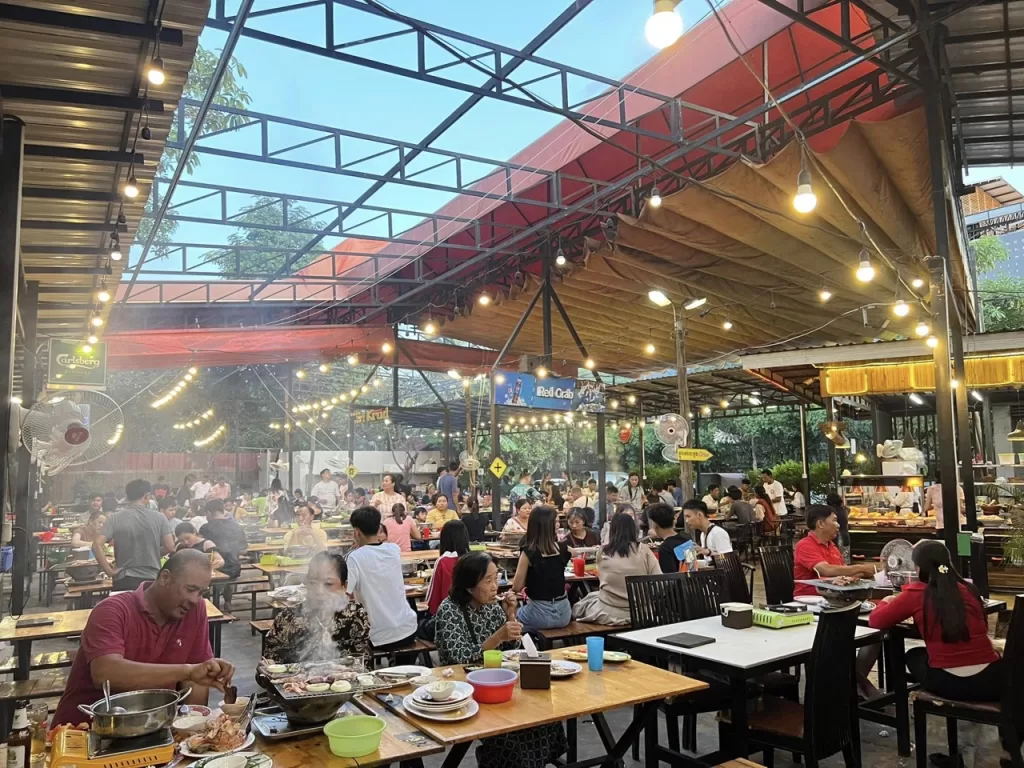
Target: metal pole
{"points": [[310, 473], [288, 399], [351, 437], [495, 453], [987, 430], [546, 306], [394, 368], [805, 474], [833, 469], [468, 397], [685, 467], [963, 429], [643, 450], [447, 437], [22, 491], [602, 466]]}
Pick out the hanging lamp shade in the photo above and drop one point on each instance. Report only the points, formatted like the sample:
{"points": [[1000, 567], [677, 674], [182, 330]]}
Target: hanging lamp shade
{"points": [[908, 440], [1017, 436]]}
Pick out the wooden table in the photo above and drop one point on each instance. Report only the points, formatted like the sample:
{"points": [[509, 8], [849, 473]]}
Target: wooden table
{"points": [[587, 693], [401, 743], [81, 596], [70, 624], [738, 655]]}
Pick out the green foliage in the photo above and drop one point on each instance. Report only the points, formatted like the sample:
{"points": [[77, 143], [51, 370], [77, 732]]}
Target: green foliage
{"points": [[788, 473], [266, 212], [989, 252], [1002, 303], [661, 473], [819, 478]]}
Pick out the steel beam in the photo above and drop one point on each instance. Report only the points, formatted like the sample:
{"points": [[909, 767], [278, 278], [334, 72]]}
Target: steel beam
{"points": [[85, 155], [72, 226], [81, 98], [92, 24], [34, 270], [70, 195]]}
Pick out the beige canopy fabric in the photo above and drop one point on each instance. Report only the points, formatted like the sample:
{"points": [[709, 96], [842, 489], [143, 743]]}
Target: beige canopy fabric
{"points": [[737, 241]]}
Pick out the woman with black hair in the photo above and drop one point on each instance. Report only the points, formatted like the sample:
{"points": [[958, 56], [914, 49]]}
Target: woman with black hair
{"points": [[328, 625], [476, 523], [622, 556], [764, 512], [958, 660], [454, 544], [541, 571], [472, 620], [402, 529]]}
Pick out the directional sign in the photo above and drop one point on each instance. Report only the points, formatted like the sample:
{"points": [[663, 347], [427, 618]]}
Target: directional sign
{"points": [[351, 471], [498, 468], [693, 454]]}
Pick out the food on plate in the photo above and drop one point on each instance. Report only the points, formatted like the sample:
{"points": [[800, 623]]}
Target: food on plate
{"points": [[277, 669], [318, 687], [341, 686], [367, 681], [221, 734], [574, 655], [842, 581]]}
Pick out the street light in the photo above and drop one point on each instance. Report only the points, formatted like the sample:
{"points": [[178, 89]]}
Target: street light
{"points": [[694, 303], [658, 298]]}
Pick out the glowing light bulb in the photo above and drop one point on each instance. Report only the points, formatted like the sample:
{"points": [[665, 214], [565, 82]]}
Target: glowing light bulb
{"points": [[93, 338], [665, 26], [865, 272], [650, 349], [932, 342], [589, 363], [824, 295], [103, 296], [352, 359], [115, 252], [429, 328], [805, 200], [96, 321], [901, 308], [324, 368], [131, 188], [723, 403], [655, 199], [484, 300], [499, 379], [727, 325], [917, 282], [541, 372], [560, 258], [155, 72], [300, 374], [385, 347]]}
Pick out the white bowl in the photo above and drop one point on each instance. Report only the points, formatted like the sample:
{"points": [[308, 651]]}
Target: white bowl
{"points": [[441, 690]]}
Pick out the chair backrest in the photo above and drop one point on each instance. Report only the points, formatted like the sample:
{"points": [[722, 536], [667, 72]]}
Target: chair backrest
{"points": [[703, 592], [1013, 665], [829, 697], [777, 570], [655, 601], [735, 578]]}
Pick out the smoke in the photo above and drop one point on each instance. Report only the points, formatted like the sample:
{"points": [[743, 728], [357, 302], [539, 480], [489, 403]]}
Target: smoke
{"points": [[320, 610]]}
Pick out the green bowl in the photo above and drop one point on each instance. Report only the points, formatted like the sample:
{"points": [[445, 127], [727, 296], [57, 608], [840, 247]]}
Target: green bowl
{"points": [[477, 548], [355, 736]]}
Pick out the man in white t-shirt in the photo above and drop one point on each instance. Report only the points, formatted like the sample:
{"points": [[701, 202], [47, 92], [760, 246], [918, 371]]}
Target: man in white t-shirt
{"points": [[326, 491], [775, 492], [375, 578], [709, 538], [711, 497], [201, 488]]}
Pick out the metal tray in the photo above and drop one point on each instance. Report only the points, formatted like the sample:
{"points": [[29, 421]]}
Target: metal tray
{"points": [[857, 586]]}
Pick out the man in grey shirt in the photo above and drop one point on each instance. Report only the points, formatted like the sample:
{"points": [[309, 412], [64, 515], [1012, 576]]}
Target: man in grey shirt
{"points": [[740, 509], [140, 535]]}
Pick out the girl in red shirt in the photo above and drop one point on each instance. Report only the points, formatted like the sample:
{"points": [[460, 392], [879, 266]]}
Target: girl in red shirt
{"points": [[958, 660], [453, 545]]}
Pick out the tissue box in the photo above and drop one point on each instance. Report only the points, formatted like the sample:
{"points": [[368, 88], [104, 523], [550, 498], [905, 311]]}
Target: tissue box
{"points": [[535, 672]]}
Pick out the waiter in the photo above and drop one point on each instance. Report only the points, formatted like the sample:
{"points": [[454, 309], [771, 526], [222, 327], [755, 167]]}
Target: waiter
{"points": [[154, 637]]}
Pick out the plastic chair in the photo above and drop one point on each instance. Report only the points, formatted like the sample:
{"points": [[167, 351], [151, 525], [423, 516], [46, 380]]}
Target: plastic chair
{"points": [[1007, 714], [826, 723], [777, 570]]}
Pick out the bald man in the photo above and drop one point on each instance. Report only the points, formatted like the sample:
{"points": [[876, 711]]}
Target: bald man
{"points": [[154, 637]]}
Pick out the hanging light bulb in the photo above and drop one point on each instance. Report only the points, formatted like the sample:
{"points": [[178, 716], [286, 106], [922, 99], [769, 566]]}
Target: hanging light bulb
{"points": [[723, 403], [385, 347], [917, 282], [901, 308], [429, 328], [352, 359], [103, 296], [131, 187], [499, 378], [484, 300], [541, 372], [650, 349], [589, 363], [115, 251], [953, 383], [93, 338], [453, 374], [824, 295], [922, 329], [932, 342], [560, 258], [324, 368], [155, 71], [665, 26], [865, 272], [96, 321], [805, 200], [86, 348], [727, 324], [706, 410], [655, 198], [300, 374]]}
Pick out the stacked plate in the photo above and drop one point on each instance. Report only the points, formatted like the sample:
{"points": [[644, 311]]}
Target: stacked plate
{"points": [[459, 706]]}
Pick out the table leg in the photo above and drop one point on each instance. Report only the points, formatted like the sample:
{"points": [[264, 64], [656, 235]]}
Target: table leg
{"points": [[643, 718], [455, 754], [572, 738], [896, 672], [739, 741], [23, 650], [215, 636]]}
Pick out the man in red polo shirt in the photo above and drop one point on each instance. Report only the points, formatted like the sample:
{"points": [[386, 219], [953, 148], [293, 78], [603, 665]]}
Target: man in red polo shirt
{"points": [[154, 637], [817, 556]]}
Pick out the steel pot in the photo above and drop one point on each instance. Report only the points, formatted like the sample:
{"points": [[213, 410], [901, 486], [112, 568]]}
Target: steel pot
{"points": [[147, 712]]}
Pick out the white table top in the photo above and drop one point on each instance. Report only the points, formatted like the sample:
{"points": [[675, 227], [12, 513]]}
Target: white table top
{"points": [[739, 648]]}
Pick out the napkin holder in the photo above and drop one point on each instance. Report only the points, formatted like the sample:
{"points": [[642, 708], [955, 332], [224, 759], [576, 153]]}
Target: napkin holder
{"points": [[535, 672]]}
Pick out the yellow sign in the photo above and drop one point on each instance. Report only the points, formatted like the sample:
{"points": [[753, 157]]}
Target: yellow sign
{"points": [[351, 470], [498, 468], [693, 454], [371, 415]]}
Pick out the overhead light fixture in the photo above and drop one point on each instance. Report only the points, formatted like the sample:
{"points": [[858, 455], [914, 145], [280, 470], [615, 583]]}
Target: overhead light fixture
{"points": [[93, 338], [706, 410], [96, 321], [901, 308], [560, 258], [922, 329], [131, 187], [155, 72], [429, 328], [954, 383], [631, 399], [484, 299], [300, 374], [352, 359], [824, 295], [115, 251], [589, 363], [659, 298], [805, 200], [932, 342], [865, 272], [665, 26], [452, 373], [694, 303], [916, 399], [541, 372], [917, 282], [1017, 436], [977, 396], [655, 198], [324, 368], [723, 403], [385, 347], [650, 349], [103, 296], [727, 324]]}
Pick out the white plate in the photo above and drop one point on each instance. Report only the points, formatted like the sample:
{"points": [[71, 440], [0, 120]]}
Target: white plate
{"points": [[247, 743], [811, 600], [464, 713], [407, 669], [867, 606], [236, 760], [561, 668], [461, 692]]}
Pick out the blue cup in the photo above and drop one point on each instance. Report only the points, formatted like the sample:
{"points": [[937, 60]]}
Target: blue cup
{"points": [[595, 653]]}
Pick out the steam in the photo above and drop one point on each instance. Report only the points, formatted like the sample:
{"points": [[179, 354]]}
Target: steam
{"points": [[318, 643]]}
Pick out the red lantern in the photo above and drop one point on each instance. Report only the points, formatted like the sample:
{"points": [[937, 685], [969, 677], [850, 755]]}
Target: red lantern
{"points": [[625, 433]]}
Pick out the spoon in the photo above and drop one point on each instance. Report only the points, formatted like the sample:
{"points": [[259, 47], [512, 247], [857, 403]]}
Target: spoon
{"points": [[106, 697]]}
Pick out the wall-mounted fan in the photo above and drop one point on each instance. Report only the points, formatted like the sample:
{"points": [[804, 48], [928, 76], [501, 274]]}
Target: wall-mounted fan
{"points": [[65, 429], [672, 430]]}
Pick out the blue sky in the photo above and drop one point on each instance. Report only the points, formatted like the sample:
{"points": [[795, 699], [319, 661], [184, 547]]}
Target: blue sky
{"points": [[606, 39]]}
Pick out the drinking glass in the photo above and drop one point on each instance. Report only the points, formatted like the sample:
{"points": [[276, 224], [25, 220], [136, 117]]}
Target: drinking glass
{"points": [[595, 653]]}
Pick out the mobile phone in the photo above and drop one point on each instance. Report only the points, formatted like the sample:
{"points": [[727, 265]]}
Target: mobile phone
{"points": [[35, 621], [686, 640]]}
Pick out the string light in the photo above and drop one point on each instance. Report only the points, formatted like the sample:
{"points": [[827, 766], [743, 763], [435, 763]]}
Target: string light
{"points": [[650, 349], [631, 399], [115, 250], [131, 187], [96, 321], [352, 359], [922, 329], [706, 410], [218, 432], [324, 368], [665, 26], [917, 282], [932, 342], [116, 437], [385, 347], [589, 364], [93, 338], [541, 372], [865, 272], [429, 328], [805, 200], [176, 390], [901, 308], [300, 374], [103, 296], [655, 198], [727, 324], [723, 403], [484, 300], [560, 258], [196, 421], [824, 295], [155, 71], [87, 348]]}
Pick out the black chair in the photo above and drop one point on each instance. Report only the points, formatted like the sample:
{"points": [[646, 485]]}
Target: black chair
{"points": [[777, 570], [739, 577], [703, 592], [655, 600], [826, 723], [1007, 714]]}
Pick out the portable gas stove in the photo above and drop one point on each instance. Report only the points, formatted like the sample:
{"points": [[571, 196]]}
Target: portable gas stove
{"points": [[85, 749]]}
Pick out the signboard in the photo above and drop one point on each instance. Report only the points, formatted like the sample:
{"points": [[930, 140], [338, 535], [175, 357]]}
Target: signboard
{"points": [[77, 364], [693, 454], [625, 433], [524, 390], [351, 471], [498, 467], [371, 416]]}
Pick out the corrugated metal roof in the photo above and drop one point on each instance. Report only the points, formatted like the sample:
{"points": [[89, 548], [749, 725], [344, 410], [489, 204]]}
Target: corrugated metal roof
{"points": [[37, 55]]}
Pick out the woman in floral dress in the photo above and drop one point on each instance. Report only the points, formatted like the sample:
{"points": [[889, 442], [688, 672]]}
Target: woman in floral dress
{"points": [[328, 625], [472, 620]]}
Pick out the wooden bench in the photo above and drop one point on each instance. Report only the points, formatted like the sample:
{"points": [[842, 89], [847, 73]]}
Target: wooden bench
{"points": [[41, 661], [576, 631], [45, 687], [260, 583], [419, 648]]}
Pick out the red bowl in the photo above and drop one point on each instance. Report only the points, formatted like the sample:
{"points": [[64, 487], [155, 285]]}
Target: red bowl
{"points": [[492, 686]]}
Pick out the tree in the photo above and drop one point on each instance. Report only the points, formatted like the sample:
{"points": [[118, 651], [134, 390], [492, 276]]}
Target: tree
{"points": [[989, 253], [266, 212], [1002, 303]]}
